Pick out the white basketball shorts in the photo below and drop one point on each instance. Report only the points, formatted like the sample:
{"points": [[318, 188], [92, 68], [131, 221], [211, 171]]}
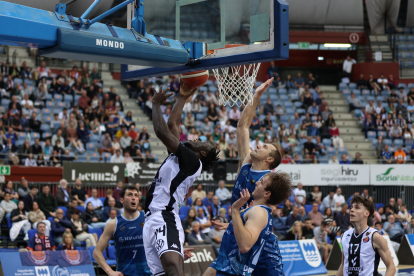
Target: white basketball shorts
{"points": [[162, 233]]}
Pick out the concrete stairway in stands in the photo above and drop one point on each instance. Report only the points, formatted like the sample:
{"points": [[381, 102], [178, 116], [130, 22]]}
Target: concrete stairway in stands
{"points": [[349, 128], [138, 115]]}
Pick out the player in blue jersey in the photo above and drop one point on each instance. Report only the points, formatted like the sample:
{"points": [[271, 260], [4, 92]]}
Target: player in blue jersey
{"points": [[126, 231], [253, 165], [250, 230]]}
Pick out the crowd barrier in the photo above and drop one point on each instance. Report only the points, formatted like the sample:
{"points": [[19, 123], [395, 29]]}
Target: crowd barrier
{"points": [[47, 263]]}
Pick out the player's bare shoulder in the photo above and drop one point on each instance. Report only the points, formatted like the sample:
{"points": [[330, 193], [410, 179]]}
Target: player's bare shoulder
{"points": [[378, 241]]}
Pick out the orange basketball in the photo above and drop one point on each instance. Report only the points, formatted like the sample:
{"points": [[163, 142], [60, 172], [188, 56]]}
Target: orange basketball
{"points": [[195, 79]]}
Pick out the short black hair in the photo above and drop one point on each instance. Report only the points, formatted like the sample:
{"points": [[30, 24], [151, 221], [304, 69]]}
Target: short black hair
{"points": [[324, 223], [128, 187], [308, 219], [210, 159], [5, 193], [378, 223]]}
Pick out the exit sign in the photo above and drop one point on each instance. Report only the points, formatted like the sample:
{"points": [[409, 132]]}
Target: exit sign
{"points": [[303, 45], [5, 170]]}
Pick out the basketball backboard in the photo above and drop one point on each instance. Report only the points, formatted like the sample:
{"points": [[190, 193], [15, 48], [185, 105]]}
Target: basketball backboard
{"points": [[259, 29]]}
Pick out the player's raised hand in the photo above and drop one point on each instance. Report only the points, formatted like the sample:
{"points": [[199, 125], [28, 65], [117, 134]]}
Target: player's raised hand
{"points": [[262, 88], [221, 225], [162, 96], [186, 91], [244, 197], [187, 253]]}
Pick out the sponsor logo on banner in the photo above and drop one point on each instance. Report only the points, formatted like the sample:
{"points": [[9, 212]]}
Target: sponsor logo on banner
{"points": [[74, 257], [392, 175], [201, 256], [42, 271], [60, 271], [38, 257], [94, 172], [311, 253]]}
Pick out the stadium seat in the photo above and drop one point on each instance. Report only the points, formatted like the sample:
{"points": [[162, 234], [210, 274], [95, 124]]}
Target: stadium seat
{"points": [[183, 212], [398, 142], [352, 85], [58, 97], [96, 231], [189, 201], [388, 142], [371, 135], [111, 252], [81, 208], [331, 151], [32, 233], [342, 151], [382, 133], [323, 159], [308, 208], [377, 205], [327, 142], [343, 86]]}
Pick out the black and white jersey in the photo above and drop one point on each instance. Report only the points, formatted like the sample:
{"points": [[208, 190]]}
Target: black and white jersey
{"points": [[360, 258], [172, 181]]}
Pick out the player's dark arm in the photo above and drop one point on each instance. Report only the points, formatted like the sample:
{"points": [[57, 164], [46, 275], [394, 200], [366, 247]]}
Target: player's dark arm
{"points": [[246, 118], [102, 245], [175, 117], [160, 125], [382, 247]]}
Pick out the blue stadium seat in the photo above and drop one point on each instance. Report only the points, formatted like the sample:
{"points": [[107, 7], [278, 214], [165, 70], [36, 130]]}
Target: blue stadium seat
{"points": [[297, 104], [400, 55], [342, 151], [398, 142], [374, 142], [382, 133], [352, 85], [111, 252], [282, 91], [323, 159], [283, 98], [50, 104], [388, 142], [402, 47], [183, 212], [96, 231], [308, 208], [331, 151], [327, 142], [377, 205], [46, 112], [297, 150], [371, 135], [288, 104], [45, 127], [80, 208], [189, 201], [343, 86], [402, 38], [94, 139], [410, 38], [380, 98], [61, 105], [290, 111], [294, 98], [32, 233], [409, 55], [58, 97]]}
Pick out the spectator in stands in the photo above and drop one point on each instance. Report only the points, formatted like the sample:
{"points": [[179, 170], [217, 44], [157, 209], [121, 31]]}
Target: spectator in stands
{"points": [[354, 103], [40, 241], [383, 82], [393, 207], [391, 82], [309, 147], [18, 215], [203, 219], [4, 69], [117, 157], [198, 204], [345, 159], [47, 202], [96, 202], [80, 230], [23, 189], [71, 208], [62, 195], [79, 193], [37, 148], [95, 75], [189, 121], [409, 229], [208, 200], [67, 242], [198, 193], [395, 132], [295, 232], [272, 70], [223, 193], [36, 216], [212, 114], [197, 237], [321, 236], [117, 191], [299, 83], [106, 145], [234, 116], [8, 187], [403, 215], [27, 105], [30, 198], [394, 229], [372, 84], [328, 201], [186, 223], [386, 155], [287, 207], [294, 216], [268, 108], [300, 195], [42, 71], [215, 207], [315, 215], [133, 134], [342, 218], [357, 159], [125, 141], [339, 200], [7, 205], [361, 82], [337, 141], [91, 218], [84, 100], [400, 156], [347, 68]]}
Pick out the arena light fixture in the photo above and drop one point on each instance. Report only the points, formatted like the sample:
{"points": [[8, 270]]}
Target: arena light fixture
{"points": [[320, 58], [337, 45]]}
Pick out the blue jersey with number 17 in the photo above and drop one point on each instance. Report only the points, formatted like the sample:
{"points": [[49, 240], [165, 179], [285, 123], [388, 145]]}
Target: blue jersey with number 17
{"points": [[247, 178], [129, 246]]}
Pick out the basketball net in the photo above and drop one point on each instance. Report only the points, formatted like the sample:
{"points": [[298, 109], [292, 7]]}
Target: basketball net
{"points": [[236, 84]]}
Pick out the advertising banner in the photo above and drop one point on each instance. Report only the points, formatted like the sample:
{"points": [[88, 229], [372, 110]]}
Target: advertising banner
{"points": [[327, 174], [143, 173], [11, 265], [301, 258], [94, 173], [406, 250], [203, 257], [395, 174]]}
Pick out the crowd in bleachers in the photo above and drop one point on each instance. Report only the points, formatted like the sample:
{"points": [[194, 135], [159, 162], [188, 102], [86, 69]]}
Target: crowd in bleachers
{"points": [[71, 213], [386, 113], [303, 216], [293, 113], [48, 118]]}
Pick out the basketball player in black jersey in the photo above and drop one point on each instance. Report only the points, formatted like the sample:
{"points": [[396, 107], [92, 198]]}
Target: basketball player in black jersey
{"points": [[362, 246], [163, 234]]}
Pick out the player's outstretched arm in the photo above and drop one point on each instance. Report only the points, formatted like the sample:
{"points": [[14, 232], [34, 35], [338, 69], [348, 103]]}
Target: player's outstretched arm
{"points": [[175, 117], [160, 125], [381, 245], [246, 118], [247, 234], [102, 245]]}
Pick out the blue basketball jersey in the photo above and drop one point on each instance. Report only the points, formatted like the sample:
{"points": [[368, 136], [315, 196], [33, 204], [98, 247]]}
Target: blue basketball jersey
{"points": [[231, 261], [270, 262], [247, 178], [129, 246]]}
